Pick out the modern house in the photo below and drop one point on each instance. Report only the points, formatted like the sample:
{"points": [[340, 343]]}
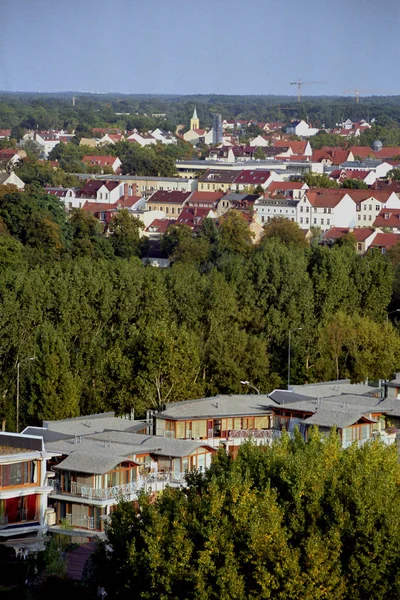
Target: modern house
{"points": [[24, 487], [226, 420]]}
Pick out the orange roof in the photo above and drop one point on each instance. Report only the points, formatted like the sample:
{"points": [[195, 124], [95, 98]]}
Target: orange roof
{"points": [[365, 151], [325, 198], [296, 147], [388, 217], [286, 185]]}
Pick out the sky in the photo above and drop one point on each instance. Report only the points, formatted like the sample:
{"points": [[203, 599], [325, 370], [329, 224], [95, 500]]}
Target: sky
{"points": [[200, 46]]}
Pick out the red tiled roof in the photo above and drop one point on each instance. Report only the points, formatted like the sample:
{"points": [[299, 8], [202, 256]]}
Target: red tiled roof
{"points": [[296, 146], [205, 197], [385, 240], [5, 132], [169, 197], [249, 177], [193, 216], [360, 233], [365, 151], [336, 155], [391, 220], [103, 161], [160, 224], [285, 185], [96, 207], [326, 199]]}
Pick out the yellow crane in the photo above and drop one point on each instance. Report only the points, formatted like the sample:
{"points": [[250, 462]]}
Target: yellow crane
{"points": [[358, 92], [300, 84]]}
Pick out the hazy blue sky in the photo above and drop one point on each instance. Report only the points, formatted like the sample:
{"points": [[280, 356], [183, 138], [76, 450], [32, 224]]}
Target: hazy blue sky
{"points": [[199, 46]]}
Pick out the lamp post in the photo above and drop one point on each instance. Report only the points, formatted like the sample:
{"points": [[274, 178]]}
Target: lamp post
{"points": [[250, 385], [391, 312], [288, 368], [19, 363]]}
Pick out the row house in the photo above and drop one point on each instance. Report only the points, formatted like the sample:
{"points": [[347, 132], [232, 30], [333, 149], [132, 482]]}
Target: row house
{"points": [[219, 420], [24, 487], [214, 180], [370, 203], [269, 207], [357, 418], [95, 470]]}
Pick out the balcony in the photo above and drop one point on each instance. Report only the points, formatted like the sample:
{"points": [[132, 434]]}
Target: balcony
{"points": [[148, 483], [265, 434]]}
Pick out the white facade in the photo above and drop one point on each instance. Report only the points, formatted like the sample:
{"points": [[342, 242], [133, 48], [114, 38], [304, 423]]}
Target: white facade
{"points": [[143, 140], [368, 209], [319, 214], [266, 209]]}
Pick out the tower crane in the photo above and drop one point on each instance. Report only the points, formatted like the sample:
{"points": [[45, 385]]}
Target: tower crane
{"points": [[300, 83], [358, 92]]}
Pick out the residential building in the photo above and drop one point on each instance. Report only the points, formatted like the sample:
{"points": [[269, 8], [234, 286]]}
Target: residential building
{"points": [[250, 179], [357, 418], [291, 189], [384, 241], [143, 139], [11, 179], [24, 487], [389, 218], [332, 156], [169, 202], [219, 420], [326, 208], [301, 128], [364, 237], [214, 180], [112, 162], [269, 207]]}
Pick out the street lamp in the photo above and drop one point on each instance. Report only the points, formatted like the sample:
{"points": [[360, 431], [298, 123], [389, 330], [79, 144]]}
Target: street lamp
{"points": [[250, 385], [20, 362], [288, 368], [391, 312]]}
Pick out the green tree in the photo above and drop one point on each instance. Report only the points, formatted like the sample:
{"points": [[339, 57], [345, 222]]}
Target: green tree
{"points": [[125, 234], [286, 231], [235, 234]]}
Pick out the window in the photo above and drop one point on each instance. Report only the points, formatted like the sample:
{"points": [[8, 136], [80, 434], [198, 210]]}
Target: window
{"points": [[370, 217], [322, 221], [370, 207], [365, 217], [172, 210], [307, 209], [315, 221], [301, 219], [359, 217], [359, 246], [328, 221], [377, 207], [329, 210], [307, 220], [166, 210], [301, 209]]}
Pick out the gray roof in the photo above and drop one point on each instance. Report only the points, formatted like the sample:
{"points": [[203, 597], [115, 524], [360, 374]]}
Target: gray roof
{"points": [[90, 424], [218, 406], [122, 445], [98, 463], [329, 417], [46, 434], [334, 388], [287, 397], [390, 406]]}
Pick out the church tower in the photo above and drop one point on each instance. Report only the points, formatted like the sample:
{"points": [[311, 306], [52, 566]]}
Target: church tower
{"points": [[194, 121]]}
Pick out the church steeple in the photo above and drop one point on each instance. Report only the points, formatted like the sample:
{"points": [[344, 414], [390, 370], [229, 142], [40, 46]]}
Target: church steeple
{"points": [[194, 121]]}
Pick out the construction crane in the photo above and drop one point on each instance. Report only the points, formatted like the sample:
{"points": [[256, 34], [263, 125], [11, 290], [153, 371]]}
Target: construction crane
{"points": [[300, 83], [358, 92]]}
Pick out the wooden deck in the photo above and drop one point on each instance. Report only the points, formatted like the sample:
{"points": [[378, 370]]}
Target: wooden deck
{"points": [[76, 560]]}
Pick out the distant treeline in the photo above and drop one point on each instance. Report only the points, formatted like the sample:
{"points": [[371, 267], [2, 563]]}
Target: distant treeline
{"points": [[55, 111]]}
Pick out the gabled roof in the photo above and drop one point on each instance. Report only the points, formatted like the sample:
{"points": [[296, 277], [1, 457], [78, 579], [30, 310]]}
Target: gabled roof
{"points": [[296, 146], [218, 176], [331, 417], [336, 155], [192, 216], [326, 198], [169, 197], [205, 197], [252, 177], [103, 161], [159, 225], [360, 233], [385, 240], [388, 217], [385, 152], [97, 463]]}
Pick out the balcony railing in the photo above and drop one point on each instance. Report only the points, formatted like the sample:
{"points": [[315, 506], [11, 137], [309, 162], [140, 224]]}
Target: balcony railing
{"points": [[266, 434], [145, 483]]}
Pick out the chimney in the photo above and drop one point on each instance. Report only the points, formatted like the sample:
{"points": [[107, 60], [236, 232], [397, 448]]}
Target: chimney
{"points": [[134, 189], [126, 189]]}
